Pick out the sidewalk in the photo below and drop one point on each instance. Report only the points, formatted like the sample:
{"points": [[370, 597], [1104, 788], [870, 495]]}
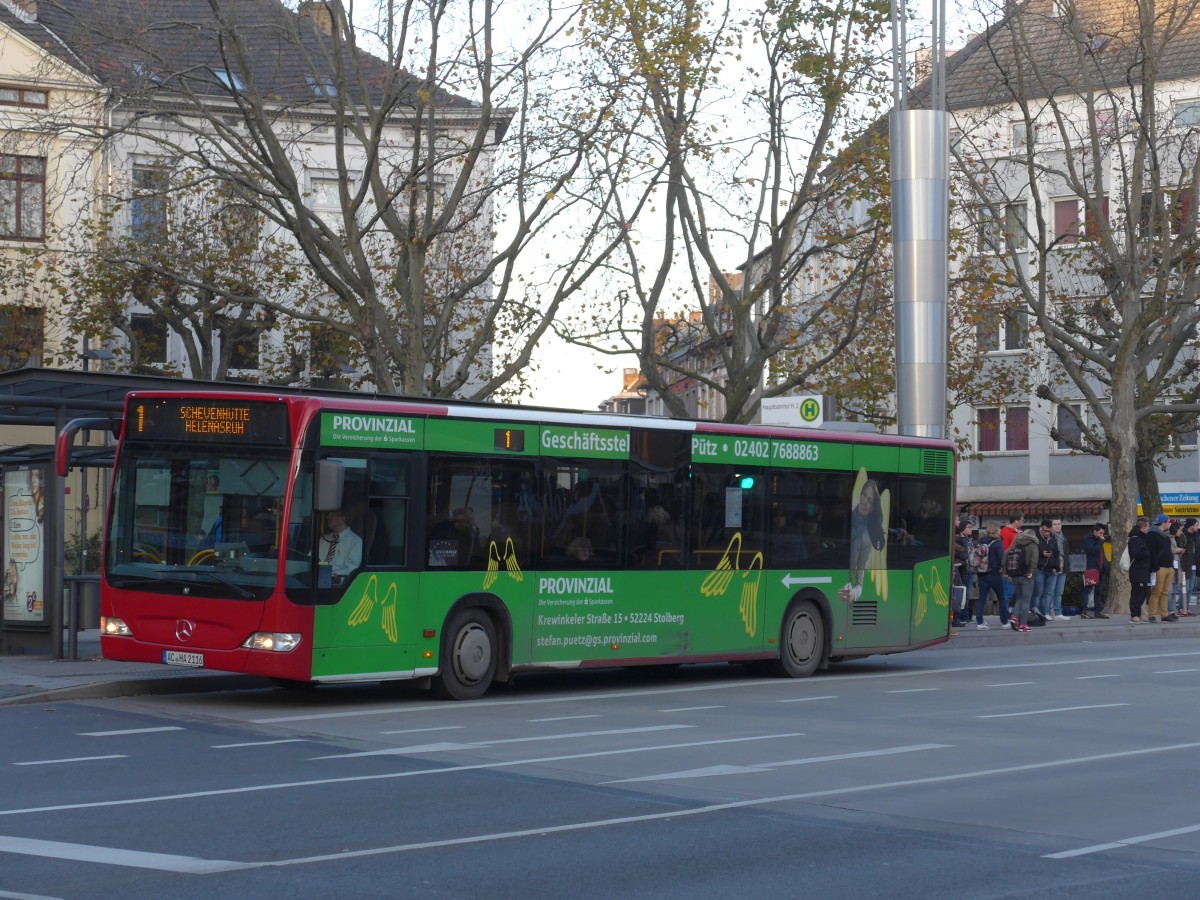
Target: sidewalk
{"points": [[33, 678], [1077, 630], [40, 679]]}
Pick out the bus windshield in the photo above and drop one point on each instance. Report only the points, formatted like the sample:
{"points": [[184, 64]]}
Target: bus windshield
{"points": [[197, 519]]}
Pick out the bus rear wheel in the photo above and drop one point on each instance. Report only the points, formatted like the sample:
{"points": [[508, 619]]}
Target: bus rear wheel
{"points": [[801, 641], [468, 657]]}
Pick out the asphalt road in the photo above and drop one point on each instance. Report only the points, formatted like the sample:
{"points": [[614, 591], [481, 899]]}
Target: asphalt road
{"points": [[1058, 771]]}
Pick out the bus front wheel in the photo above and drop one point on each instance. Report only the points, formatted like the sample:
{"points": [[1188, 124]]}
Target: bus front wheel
{"points": [[801, 641], [468, 662]]}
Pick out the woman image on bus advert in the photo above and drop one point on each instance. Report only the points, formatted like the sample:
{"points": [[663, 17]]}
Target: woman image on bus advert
{"points": [[866, 536]]}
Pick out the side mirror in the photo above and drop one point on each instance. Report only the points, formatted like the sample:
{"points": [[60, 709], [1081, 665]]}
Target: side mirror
{"points": [[327, 492]]}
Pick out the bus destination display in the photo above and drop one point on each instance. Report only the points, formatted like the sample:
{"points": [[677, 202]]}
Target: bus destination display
{"points": [[227, 421]]}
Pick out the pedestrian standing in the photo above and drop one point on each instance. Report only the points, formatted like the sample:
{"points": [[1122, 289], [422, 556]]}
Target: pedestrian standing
{"points": [[1060, 580], [1027, 545], [1162, 568], [1047, 571], [1016, 524], [992, 581], [962, 569], [1175, 602], [1139, 568], [1093, 561], [1189, 560]]}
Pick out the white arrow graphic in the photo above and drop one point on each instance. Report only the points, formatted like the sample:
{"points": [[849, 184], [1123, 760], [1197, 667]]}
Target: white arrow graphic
{"points": [[789, 581]]}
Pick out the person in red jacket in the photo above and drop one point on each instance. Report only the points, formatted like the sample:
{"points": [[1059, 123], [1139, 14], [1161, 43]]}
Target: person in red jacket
{"points": [[1008, 534]]}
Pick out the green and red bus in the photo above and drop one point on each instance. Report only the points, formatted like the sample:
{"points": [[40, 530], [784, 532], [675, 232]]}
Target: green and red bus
{"points": [[342, 538]]}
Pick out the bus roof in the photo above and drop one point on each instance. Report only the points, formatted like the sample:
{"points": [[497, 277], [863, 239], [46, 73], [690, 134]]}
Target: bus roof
{"points": [[466, 409]]}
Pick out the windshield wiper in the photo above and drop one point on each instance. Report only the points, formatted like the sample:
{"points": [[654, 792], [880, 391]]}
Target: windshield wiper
{"points": [[225, 582]]}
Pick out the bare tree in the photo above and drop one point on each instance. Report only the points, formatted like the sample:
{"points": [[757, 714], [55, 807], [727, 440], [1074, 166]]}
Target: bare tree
{"points": [[1065, 111], [413, 153], [745, 141]]}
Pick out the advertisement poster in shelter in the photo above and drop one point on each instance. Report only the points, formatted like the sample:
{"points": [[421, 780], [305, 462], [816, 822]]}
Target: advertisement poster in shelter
{"points": [[24, 544]]}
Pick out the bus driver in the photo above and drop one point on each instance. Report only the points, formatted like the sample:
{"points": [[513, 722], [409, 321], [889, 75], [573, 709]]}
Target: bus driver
{"points": [[339, 547]]}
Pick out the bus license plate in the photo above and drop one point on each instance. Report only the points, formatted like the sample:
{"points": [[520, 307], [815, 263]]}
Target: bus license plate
{"points": [[176, 658]]}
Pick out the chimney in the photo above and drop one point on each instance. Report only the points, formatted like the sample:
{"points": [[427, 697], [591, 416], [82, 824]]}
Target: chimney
{"points": [[631, 378], [317, 12]]}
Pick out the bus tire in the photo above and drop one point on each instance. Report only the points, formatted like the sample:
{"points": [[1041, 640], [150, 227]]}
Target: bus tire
{"points": [[468, 662], [801, 641]]}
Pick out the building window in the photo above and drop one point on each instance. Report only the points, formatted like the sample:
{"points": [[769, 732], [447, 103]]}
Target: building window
{"points": [[1186, 436], [147, 205], [243, 338], [18, 96], [23, 197], [994, 236], [21, 337], [1003, 429], [231, 81], [150, 332], [1022, 135], [1008, 331], [1069, 212], [1106, 123], [1187, 113], [1070, 435], [325, 201]]}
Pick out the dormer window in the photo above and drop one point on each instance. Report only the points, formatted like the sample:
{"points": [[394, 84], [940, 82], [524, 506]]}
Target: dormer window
{"points": [[231, 80]]}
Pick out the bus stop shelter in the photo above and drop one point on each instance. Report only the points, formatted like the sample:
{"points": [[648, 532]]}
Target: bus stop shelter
{"points": [[36, 407]]}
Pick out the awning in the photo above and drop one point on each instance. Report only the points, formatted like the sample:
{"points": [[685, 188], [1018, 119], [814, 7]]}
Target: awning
{"points": [[1032, 508]]}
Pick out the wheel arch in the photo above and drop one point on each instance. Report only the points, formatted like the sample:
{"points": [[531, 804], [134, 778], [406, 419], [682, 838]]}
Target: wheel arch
{"points": [[501, 618], [822, 603]]}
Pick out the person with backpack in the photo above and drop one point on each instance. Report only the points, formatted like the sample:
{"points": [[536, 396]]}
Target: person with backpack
{"points": [[991, 578], [1139, 569], [1020, 563]]}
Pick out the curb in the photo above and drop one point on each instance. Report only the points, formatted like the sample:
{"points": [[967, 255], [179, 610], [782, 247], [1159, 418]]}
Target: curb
{"points": [[135, 687], [1070, 632]]}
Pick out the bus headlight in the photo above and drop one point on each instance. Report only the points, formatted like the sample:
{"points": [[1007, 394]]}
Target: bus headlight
{"points": [[277, 641], [113, 626]]}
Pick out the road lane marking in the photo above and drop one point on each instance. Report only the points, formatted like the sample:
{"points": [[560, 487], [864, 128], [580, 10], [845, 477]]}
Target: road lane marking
{"points": [[690, 708], [420, 730], [806, 699], [710, 771], [51, 762], [543, 830], [1042, 712], [258, 744], [9, 895], [386, 776], [115, 856], [447, 746], [1176, 671], [825, 679], [1087, 677], [1012, 684], [129, 731], [566, 718], [913, 691], [1123, 842]]}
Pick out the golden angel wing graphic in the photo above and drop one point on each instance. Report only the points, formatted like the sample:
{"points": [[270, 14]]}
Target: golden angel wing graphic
{"points": [[934, 590], [940, 597], [861, 480], [493, 566], [510, 560], [877, 561], [388, 615], [717, 581], [362, 612], [751, 579]]}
